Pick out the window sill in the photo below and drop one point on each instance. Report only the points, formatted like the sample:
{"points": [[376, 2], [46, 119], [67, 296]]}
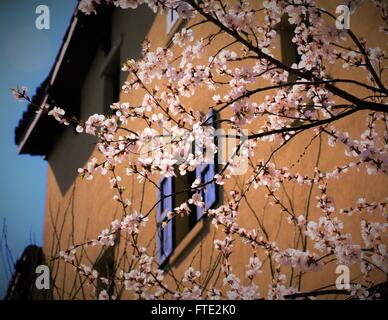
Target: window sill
{"points": [[179, 24], [189, 242]]}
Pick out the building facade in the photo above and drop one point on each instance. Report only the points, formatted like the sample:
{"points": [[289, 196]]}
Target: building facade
{"points": [[86, 79]]}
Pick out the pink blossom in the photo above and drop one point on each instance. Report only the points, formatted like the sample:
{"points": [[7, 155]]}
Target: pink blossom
{"points": [[58, 114]]}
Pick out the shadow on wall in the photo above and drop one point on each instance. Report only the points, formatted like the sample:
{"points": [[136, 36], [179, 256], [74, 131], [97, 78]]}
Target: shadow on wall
{"points": [[99, 88], [71, 152]]}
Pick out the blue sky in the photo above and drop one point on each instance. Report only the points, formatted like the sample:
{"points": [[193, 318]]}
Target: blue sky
{"points": [[26, 57]]}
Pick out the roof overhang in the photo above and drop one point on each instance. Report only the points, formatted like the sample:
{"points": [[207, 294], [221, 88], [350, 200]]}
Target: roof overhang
{"points": [[36, 133]]}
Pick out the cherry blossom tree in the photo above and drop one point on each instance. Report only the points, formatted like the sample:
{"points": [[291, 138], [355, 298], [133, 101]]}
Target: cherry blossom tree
{"points": [[297, 99]]}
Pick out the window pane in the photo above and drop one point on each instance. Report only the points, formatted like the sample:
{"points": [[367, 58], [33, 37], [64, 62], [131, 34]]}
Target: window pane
{"points": [[165, 235]]}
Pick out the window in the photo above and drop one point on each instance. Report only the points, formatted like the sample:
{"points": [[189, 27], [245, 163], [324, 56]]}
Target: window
{"points": [[105, 266], [207, 172], [169, 237], [290, 56], [289, 53], [111, 72], [165, 235], [171, 18], [112, 80]]}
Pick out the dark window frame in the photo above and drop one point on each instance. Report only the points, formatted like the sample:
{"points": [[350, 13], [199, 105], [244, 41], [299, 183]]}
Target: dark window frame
{"points": [[166, 242], [165, 236]]}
